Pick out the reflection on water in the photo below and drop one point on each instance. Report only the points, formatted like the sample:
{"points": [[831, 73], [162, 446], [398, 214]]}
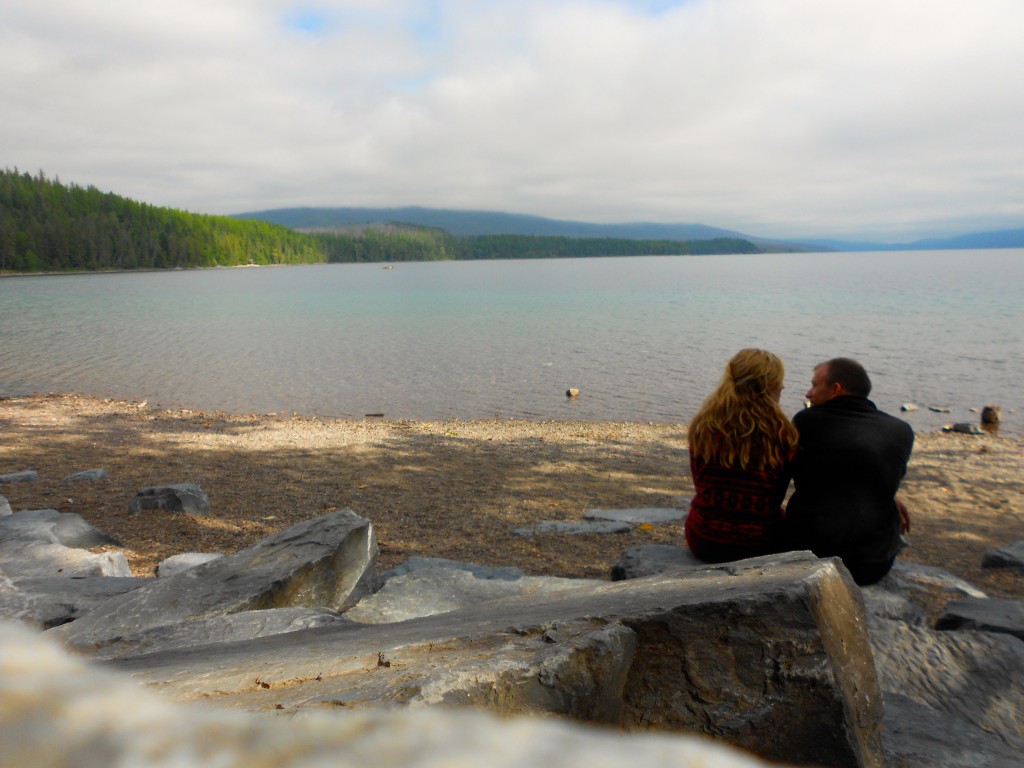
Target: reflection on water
{"points": [[641, 338]]}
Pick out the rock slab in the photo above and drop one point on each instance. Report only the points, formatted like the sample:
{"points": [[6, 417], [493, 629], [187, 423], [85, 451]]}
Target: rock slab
{"points": [[325, 562], [769, 655]]}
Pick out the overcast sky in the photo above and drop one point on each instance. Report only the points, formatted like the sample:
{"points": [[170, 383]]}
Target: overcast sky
{"points": [[885, 119]]}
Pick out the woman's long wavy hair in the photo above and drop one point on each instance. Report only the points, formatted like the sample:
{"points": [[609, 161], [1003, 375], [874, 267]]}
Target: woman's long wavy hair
{"points": [[741, 425]]}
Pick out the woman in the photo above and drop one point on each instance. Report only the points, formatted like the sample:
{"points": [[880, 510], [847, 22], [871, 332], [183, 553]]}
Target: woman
{"points": [[741, 446]]}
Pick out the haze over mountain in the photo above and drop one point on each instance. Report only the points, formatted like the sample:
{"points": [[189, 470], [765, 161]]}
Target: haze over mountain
{"points": [[472, 223]]}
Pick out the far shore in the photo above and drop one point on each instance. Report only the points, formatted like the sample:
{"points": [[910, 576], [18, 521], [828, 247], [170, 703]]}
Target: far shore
{"points": [[453, 488]]}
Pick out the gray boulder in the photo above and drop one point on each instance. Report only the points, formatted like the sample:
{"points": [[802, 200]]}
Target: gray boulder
{"points": [[504, 573], [246, 625], [5, 507], [60, 712], [1010, 556], [53, 527], [573, 528], [86, 475], [768, 654], [428, 591], [26, 476], [175, 564], [638, 515], [57, 601], [187, 498], [652, 559], [975, 677], [320, 563], [16, 604], [35, 559], [991, 615]]}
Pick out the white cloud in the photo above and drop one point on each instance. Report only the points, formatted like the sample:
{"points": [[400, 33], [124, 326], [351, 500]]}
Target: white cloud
{"points": [[784, 118]]}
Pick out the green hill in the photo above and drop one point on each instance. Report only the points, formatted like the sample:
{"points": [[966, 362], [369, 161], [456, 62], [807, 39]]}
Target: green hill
{"points": [[46, 226]]}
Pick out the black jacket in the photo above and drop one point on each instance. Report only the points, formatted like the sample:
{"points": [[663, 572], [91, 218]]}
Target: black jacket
{"points": [[849, 463]]}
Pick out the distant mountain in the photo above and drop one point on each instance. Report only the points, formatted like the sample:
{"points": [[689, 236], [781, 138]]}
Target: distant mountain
{"points": [[477, 223], [1006, 238]]}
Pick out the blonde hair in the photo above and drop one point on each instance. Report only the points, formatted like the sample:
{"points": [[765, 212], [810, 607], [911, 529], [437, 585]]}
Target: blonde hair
{"points": [[740, 424]]}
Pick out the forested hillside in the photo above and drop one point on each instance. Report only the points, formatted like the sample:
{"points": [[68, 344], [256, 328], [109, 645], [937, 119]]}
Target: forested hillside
{"points": [[47, 226]]}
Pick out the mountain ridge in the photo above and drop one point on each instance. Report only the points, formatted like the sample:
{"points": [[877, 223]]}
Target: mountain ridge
{"points": [[476, 222]]}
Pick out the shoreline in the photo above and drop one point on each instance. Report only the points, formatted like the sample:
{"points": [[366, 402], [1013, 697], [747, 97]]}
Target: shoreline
{"points": [[449, 488]]}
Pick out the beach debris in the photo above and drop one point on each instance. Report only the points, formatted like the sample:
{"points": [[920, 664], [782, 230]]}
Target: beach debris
{"points": [[572, 392], [991, 414], [908, 407], [964, 428], [938, 409]]}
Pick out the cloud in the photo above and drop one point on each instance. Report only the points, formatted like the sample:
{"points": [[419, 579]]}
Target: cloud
{"points": [[789, 118]]}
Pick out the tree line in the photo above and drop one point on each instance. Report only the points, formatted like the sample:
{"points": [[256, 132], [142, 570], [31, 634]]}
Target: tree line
{"points": [[49, 226]]}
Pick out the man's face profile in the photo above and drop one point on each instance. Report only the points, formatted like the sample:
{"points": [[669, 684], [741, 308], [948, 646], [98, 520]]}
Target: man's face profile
{"points": [[821, 390]]}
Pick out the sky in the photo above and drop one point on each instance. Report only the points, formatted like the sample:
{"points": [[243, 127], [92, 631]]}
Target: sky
{"points": [[887, 120]]}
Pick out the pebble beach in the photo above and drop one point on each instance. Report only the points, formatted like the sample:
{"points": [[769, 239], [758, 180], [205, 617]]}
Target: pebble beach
{"points": [[453, 489]]}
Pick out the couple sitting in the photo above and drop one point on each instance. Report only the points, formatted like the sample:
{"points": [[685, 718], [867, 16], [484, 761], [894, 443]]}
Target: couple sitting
{"points": [[845, 457]]}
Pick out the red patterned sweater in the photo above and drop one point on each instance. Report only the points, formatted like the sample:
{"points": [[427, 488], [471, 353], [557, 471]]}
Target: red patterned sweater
{"points": [[736, 513]]}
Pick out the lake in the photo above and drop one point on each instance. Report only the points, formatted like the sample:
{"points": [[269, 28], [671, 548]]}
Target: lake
{"points": [[643, 338]]}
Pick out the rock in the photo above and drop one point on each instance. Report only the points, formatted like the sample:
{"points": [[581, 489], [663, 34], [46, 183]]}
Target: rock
{"points": [[504, 573], [17, 604], [908, 407], [320, 563], [5, 507], [31, 559], [1010, 556], [917, 736], [180, 497], [28, 476], [88, 474], [559, 526], [992, 615], [572, 392], [430, 591], [246, 625], [975, 677], [58, 600], [175, 564], [909, 578], [60, 712], [53, 527], [636, 516], [768, 654], [653, 559], [991, 414], [964, 427]]}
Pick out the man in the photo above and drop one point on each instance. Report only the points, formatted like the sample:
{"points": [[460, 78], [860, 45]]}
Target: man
{"points": [[849, 462]]}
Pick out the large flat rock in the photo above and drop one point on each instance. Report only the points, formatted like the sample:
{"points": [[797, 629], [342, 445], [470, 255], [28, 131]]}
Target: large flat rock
{"points": [[59, 712], [320, 563], [768, 654]]}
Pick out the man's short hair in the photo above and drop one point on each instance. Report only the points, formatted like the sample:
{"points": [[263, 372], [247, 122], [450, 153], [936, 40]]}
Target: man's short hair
{"points": [[849, 373]]}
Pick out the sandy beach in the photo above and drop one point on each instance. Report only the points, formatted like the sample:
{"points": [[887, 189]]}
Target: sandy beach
{"points": [[454, 489]]}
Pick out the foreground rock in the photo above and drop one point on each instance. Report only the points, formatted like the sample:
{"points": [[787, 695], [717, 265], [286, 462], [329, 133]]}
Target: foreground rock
{"points": [[952, 699], [61, 713], [58, 600], [320, 563], [770, 655]]}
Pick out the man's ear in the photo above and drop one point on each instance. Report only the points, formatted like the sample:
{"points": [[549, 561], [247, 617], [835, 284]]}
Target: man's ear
{"points": [[837, 389]]}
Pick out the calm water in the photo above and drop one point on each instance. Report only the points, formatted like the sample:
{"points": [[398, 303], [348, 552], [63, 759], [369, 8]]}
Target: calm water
{"points": [[642, 338]]}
